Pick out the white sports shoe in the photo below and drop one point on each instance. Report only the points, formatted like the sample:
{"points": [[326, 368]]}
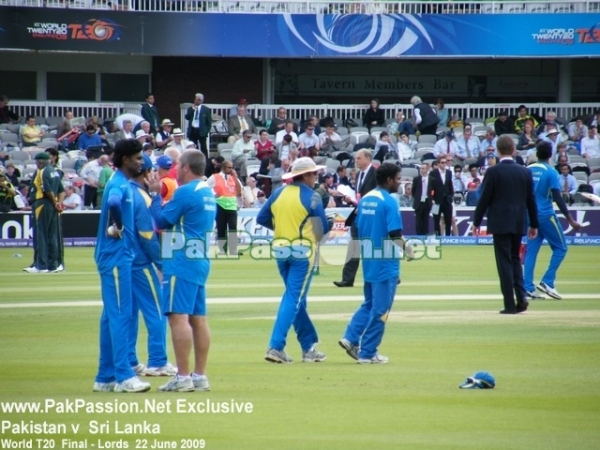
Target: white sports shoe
{"points": [[200, 382], [278, 357], [60, 268], [133, 384], [534, 295], [140, 370], [313, 355], [552, 292], [351, 350], [377, 359], [104, 387], [165, 371], [34, 270], [178, 384]]}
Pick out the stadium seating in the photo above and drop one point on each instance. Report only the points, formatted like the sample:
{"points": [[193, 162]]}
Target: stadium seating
{"points": [[409, 172], [593, 162], [319, 7], [226, 153], [224, 146], [427, 139]]}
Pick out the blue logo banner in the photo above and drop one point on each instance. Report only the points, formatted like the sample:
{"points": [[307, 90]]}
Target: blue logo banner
{"points": [[303, 35]]}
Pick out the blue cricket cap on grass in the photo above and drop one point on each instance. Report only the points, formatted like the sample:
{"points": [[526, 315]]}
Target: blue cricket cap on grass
{"points": [[481, 380]]}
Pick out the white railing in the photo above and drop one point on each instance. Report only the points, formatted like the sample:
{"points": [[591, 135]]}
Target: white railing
{"points": [[481, 111], [58, 109], [322, 7], [340, 113]]}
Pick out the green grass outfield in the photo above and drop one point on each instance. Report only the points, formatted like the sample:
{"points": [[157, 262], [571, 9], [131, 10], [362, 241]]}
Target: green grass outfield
{"points": [[444, 326]]}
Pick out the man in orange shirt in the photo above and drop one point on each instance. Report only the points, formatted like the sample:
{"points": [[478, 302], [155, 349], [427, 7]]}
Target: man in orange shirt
{"points": [[227, 188], [167, 181]]}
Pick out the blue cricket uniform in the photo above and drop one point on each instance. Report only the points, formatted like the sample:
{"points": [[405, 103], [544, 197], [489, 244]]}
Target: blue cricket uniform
{"points": [[114, 257], [545, 179], [146, 294], [188, 219], [295, 213], [377, 216]]}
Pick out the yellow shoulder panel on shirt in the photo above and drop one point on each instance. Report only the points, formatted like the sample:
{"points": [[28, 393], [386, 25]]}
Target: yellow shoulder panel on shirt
{"points": [[145, 196]]}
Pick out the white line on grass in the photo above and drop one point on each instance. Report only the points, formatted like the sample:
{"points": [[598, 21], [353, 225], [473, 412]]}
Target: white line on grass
{"points": [[241, 300]]}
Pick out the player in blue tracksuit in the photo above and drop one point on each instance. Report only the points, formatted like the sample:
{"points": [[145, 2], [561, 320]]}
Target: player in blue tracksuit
{"points": [[380, 230], [547, 189], [146, 271], [188, 219], [114, 256], [295, 213]]}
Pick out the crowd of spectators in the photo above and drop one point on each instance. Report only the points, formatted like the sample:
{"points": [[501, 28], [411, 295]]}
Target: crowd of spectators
{"points": [[261, 153]]}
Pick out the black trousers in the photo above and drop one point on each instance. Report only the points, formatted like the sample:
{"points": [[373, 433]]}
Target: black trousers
{"points": [[89, 196], [506, 249], [431, 129], [227, 230], [200, 142], [352, 257], [446, 211], [422, 219]]}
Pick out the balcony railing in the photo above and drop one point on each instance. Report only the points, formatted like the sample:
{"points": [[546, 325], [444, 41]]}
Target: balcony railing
{"points": [[322, 7], [481, 111]]}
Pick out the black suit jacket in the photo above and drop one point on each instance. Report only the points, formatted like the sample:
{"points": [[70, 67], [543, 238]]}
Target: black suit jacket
{"points": [[507, 196], [438, 191], [417, 187], [369, 183], [150, 114], [204, 118]]}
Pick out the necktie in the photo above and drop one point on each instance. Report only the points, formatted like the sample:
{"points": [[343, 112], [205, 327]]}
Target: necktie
{"points": [[566, 185], [197, 115], [360, 182], [243, 124], [448, 151]]}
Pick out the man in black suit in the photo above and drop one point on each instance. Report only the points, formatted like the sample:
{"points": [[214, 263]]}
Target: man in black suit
{"points": [[150, 113], [508, 197], [441, 193], [422, 202], [366, 181], [199, 123]]}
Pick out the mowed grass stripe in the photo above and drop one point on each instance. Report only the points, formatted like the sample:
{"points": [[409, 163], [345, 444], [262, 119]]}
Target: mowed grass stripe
{"points": [[545, 361], [346, 298]]}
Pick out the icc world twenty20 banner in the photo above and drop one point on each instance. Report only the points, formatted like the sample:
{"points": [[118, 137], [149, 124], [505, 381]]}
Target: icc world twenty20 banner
{"points": [[301, 35]]}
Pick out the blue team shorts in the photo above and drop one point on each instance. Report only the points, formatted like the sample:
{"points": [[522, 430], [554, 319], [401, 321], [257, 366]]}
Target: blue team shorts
{"points": [[183, 297]]}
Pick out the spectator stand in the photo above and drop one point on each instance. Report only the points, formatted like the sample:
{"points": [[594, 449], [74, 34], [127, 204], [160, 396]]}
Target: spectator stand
{"points": [[321, 7]]}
